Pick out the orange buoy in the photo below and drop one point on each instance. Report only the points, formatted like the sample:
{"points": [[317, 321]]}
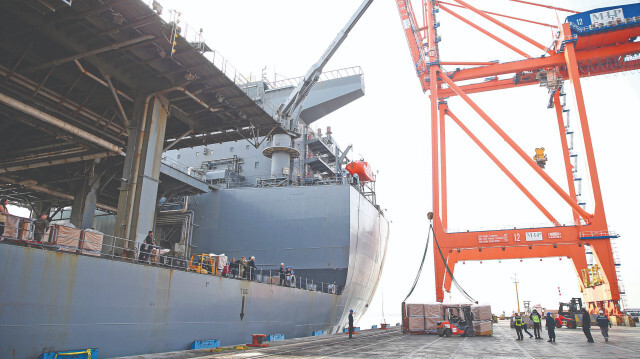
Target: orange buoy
{"points": [[362, 169]]}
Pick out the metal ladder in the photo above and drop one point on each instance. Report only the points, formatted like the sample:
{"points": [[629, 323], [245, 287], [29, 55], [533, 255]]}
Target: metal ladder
{"points": [[617, 264], [573, 156]]}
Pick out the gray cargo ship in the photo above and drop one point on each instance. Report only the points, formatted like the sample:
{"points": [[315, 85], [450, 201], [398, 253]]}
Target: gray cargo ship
{"points": [[216, 164]]}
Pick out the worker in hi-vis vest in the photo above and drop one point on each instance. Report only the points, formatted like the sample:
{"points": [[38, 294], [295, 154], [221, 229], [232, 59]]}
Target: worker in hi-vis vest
{"points": [[517, 320], [537, 323]]}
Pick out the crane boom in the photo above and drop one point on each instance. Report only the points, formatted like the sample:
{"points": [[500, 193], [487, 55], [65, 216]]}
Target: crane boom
{"points": [[301, 91]]}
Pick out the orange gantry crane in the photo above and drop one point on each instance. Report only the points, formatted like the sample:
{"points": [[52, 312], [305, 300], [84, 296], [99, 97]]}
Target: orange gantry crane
{"points": [[591, 43]]}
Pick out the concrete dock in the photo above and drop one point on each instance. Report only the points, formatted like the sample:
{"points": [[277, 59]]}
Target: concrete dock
{"points": [[624, 342]]}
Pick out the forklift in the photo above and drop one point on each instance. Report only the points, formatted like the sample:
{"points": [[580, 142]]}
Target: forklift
{"points": [[202, 263], [567, 313], [457, 320]]}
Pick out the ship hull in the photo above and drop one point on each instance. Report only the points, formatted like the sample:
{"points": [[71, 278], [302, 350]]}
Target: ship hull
{"points": [[60, 301]]}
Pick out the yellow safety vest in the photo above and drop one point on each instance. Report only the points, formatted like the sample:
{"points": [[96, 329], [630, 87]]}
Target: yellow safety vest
{"points": [[536, 318], [518, 322]]}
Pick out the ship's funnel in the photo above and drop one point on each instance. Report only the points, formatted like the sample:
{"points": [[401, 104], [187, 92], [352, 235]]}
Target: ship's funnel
{"points": [[280, 153]]}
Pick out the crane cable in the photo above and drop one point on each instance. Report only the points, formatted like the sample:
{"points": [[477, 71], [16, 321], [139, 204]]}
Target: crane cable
{"points": [[453, 280], [424, 256]]}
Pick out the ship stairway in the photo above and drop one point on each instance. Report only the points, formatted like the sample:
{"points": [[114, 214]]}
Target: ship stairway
{"points": [[321, 145], [319, 164]]}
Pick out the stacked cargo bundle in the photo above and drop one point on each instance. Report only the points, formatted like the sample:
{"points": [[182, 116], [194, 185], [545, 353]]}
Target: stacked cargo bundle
{"points": [[415, 317], [432, 314], [423, 318], [91, 242], [66, 237], [482, 320]]}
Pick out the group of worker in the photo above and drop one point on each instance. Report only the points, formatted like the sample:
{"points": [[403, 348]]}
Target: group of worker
{"points": [[550, 324], [241, 268], [287, 277], [602, 321]]}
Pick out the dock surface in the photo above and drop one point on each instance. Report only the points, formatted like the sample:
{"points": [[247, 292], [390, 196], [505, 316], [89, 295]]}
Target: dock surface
{"points": [[624, 342]]}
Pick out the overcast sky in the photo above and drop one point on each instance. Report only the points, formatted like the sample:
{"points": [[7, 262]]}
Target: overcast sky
{"points": [[389, 127]]}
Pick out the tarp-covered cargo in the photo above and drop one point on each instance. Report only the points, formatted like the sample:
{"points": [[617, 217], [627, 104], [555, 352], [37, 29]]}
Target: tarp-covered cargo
{"points": [[482, 328], [481, 312], [433, 310], [416, 324], [415, 310]]}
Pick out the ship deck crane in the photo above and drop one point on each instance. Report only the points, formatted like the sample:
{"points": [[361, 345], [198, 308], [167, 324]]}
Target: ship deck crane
{"points": [[281, 150], [596, 42], [288, 108]]}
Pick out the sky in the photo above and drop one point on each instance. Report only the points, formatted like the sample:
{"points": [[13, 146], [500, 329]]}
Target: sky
{"points": [[389, 127]]}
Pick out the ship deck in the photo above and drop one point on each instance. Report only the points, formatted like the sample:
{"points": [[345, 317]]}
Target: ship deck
{"points": [[570, 343]]}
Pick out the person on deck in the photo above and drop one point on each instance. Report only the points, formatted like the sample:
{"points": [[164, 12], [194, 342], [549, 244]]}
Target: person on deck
{"points": [[537, 321], [283, 273], [242, 267], [233, 267], [550, 323], [3, 214], [604, 324], [145, 247], [252, 268], [586, 325], [40, 227], [290, 280]]}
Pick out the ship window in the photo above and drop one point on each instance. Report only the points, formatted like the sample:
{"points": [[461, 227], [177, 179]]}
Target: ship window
{"points": [[178, 156], [247, 147], [231, 149], [197, 154], [256, 165]]}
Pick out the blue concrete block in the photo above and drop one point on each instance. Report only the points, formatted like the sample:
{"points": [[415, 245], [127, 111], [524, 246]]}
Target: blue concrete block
{"points": [[78, 354], [205, 344], [317, 332], [355, 329], [275, 337]]}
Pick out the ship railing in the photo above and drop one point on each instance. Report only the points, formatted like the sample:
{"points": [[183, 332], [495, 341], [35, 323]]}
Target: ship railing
{"points": [[272, 277], [327, 75], [285, 181], [190, 171], [62, 237]]}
